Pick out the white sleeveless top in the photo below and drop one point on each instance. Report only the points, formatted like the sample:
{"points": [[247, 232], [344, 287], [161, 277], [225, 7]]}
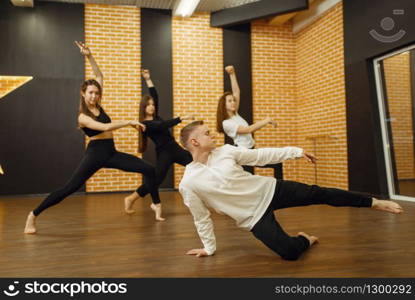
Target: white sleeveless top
{"points": [[230, 126]]}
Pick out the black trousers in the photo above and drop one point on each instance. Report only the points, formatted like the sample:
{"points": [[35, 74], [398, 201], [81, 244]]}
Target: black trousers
{"points": [[168, 155], [101, 154], [292, 194]]}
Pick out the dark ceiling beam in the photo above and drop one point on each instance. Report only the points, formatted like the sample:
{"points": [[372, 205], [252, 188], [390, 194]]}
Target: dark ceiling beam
{"points": [[256, 10]]}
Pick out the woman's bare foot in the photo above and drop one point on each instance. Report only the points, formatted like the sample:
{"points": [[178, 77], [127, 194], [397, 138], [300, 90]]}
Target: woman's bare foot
{"points": [[387, 205], [311, 238], [129, 202], [157, 210], [30, 224]]}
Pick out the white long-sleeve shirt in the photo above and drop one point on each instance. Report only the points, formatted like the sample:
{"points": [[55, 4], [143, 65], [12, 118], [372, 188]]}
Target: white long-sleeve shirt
{"points": [[223, 185]]}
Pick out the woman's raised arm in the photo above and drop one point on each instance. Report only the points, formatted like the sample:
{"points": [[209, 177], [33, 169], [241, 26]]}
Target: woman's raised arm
{"points": [[87, 52]]}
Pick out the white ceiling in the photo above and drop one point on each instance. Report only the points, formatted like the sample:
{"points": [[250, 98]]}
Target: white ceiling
{"points": [[204, 5]]}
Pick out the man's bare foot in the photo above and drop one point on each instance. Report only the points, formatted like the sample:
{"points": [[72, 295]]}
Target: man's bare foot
{"points": [[30, 224], [387, 205], [129, 202], [311, 238], [157, 210]]}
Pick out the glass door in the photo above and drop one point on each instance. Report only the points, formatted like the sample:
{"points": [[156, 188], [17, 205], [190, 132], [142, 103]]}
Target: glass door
{"points": [[395, 75]]}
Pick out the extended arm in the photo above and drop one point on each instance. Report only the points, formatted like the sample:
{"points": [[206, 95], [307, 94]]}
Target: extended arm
{"points": [[264, 156], [159, 125], [256, 126], [232, 128], [86, 121]]}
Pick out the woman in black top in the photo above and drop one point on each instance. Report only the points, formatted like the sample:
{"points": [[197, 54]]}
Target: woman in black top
{"points": [[168, 150], [101, 152]]}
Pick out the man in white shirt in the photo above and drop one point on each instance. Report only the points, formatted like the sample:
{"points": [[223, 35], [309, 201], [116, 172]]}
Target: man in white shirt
{"points": [[216, 179]]}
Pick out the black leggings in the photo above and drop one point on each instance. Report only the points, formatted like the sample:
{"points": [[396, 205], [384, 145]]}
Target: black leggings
{"points": [[101, 154], [291, 194], [168, 155]]}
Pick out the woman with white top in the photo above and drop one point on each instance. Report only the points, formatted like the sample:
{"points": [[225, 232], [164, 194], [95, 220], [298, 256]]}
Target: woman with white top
{"points": [[229, 122]]}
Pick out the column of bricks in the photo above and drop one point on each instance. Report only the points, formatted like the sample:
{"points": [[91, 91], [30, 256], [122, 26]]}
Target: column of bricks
{"points": [[298, 79], [274, 89], [197, 72], [321, 99]]}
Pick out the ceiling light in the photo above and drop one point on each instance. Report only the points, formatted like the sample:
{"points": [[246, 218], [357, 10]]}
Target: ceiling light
{"points": [[25, 3], [185, 8]]}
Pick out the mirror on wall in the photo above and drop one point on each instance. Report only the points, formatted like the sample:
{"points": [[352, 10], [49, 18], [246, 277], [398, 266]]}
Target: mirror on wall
{"points": [[395, 80]]}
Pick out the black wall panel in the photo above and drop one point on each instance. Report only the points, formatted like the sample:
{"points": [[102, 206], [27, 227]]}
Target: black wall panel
{"points": [[156, 55], [40, 143], [237, 52]]}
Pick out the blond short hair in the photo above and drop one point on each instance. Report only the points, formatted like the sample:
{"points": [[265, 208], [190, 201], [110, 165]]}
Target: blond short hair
{"points": [[187, 130]]}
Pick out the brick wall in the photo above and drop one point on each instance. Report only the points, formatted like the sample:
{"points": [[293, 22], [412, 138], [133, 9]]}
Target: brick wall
{"points": [[197, 72], [300, 78], [398, 86], [273, 88], [113, 33], [321, 99]]}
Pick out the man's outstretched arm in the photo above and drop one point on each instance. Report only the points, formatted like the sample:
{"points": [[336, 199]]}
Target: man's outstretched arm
{"points": [[265, 156]]}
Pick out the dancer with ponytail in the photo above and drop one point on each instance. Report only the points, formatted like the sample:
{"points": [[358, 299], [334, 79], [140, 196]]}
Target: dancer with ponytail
{"points": [[229, 122], [101, 152], [168, 151]]}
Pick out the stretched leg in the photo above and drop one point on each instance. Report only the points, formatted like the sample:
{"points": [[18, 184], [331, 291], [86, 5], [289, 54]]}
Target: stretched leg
{"points": [[164, 161], [388, 206], [130, 163], [291, 194], [268, 231], [88, 166]]}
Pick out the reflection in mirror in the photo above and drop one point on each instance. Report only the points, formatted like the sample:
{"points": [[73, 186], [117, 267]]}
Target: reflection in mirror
{"points": [[397, 77]]}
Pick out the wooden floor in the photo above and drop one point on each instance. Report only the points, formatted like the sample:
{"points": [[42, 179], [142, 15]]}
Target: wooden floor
{"points": [[89, 236]]}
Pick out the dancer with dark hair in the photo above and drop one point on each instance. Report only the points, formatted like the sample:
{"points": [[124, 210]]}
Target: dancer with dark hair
{"points": [[229, 122], [101, 152], [215, 179], [168, 151]]}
